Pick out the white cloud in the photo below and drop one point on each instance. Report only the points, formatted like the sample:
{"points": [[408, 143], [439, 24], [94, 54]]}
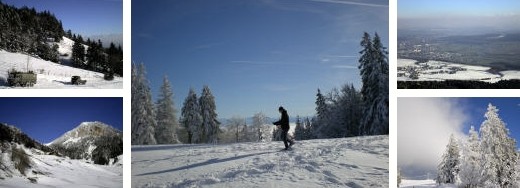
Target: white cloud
{"points": [[352, 3], [344, 67], [424, 126]]}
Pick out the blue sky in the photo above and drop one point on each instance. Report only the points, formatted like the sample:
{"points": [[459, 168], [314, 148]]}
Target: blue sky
{"points": [[254, 55], [45, 119], [86, 17], [428, 8]]}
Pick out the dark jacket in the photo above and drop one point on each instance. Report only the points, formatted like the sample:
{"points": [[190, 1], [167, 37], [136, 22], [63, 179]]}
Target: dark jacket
{"points": [[284, 121]]}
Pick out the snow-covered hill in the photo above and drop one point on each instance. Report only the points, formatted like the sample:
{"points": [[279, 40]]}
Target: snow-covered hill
{"points": [[345, 162], [82, 141], [26, 163], [53, 171], [53, 75]]}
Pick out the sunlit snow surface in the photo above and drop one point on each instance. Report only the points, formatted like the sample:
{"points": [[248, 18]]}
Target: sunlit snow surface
{"points": [[431, 73], [53, 171], [346, 162], [423, 184]]}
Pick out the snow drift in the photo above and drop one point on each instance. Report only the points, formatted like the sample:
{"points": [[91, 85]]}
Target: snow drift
{"points": [[345, 162]]}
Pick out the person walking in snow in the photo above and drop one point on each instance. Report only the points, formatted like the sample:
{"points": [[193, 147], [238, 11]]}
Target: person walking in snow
{"points": [[284, 124]]}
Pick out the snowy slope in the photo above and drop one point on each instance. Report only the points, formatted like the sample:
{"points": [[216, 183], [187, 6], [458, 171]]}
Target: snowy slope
{"points": [[52, 75], [346, 162], [54, 171]]}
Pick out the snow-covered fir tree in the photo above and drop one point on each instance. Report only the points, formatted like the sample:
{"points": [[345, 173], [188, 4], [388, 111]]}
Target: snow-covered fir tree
{"points": [[471, 164], [191, 118], [307, 128], [142, 112], [78, 54], [299, 130], [167, 124], [210, 123], [449, 167], [322, 114], [498, 151], [374, 75]]}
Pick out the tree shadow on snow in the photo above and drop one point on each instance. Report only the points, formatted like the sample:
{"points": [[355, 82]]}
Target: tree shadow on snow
{"points": [[162, 147], [208, 162]]}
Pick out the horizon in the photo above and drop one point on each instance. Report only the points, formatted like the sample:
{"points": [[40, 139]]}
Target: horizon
{"points": [[47, 118], [90, 18], [500, 15], [254, 55]]}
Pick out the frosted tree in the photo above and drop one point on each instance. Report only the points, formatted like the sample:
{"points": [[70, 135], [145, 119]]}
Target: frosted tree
{"points": [[307, 128], [448, 169], [210, 123], [259, 121], [299, 130], [373, 66], [471, 164], [498, 151], [191, 118], [167, 124], [143, 122], [235, 125]]}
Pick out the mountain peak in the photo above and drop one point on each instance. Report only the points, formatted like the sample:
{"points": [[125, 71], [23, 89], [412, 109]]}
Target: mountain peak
{"points": [[86, 130]]}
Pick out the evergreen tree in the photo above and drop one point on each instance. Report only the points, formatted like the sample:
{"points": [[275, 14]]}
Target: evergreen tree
{"points": [[165, 116], [191, 118], [471, 165], [299, 129], [307, 129], [498, 151], [210, 123], [374, 75], [322, 114], [78, 54], [277, 134], [143, 122], [449, 167]]}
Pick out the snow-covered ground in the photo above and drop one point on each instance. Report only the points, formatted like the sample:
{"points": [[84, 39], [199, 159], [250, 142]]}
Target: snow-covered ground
{"points": [[54, 171], [439, 70], [51, 75], [422, 184], [345, 162]]}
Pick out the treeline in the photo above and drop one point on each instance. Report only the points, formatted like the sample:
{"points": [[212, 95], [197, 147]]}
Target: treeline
{"points": [[459, 84], [349, 112], [91, 55], [158, 124], [26, 30]]}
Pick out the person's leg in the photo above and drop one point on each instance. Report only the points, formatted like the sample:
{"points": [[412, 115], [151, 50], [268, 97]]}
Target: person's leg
{"points": [[284, 138]]}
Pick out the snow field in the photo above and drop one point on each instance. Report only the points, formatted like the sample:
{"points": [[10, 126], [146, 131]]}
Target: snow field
{"points": [[346, 162], [472, 72], [54, 171]]}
